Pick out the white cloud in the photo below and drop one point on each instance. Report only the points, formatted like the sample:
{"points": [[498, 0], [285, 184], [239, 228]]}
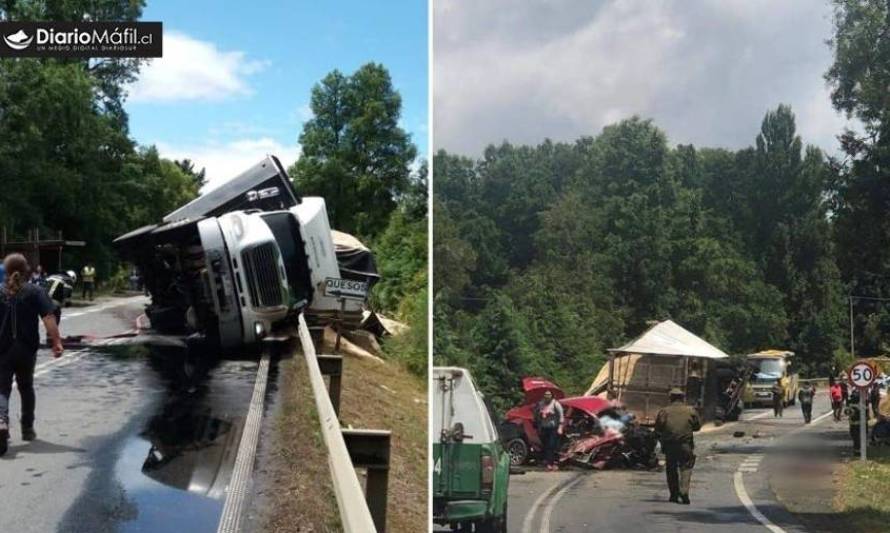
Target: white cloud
{"points": [[705, 71], [224, 160], [194, 70]]}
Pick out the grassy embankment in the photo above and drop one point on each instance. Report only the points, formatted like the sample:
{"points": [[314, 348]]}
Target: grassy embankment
{"points": [[864, 487], [374, 395]]}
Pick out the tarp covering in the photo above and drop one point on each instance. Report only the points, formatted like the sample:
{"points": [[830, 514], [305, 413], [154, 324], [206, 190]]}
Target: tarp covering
{"points": [[354, 258], [669, 338]]}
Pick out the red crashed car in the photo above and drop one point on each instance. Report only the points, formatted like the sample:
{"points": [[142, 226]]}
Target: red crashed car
{"points": [[597, 432]]}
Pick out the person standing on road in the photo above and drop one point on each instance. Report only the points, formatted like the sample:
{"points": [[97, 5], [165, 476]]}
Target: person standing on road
{"points": [[88, 273], [845, 390], [22, 305], [837, 400], [805, 397], [853, 413], [548, 422], [874, 398], [778, 399], [674, 426]]}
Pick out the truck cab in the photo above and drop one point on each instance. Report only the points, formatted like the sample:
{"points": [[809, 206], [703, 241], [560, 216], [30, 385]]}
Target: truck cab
{"points": [[471, 469], [236, 262], [769, 367]]}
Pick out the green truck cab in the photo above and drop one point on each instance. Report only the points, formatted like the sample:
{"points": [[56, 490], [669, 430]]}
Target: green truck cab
{"points": [[471, 468]]}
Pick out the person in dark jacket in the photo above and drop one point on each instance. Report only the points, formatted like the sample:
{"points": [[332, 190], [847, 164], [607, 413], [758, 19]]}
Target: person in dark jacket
{"points": [[805, 396], [778, 399], [853, 414], [22, 306], [674, 426], [874, 398], [548, 422]]}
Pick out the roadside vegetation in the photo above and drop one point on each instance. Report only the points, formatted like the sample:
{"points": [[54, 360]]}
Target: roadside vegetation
{"points": [[67, 160], [548, 255], [293, 470], [380, 396], [862, 492]]}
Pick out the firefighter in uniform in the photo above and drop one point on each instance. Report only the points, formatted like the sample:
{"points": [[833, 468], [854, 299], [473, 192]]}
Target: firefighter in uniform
{"points": [[674, 426], [88, 273]]}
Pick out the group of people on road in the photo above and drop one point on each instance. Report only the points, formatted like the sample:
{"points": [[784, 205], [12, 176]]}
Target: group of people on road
{"points": [[846, 403]]}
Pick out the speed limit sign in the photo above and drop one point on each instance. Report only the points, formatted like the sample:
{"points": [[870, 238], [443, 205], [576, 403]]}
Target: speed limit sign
{"points": [[862, 374]]}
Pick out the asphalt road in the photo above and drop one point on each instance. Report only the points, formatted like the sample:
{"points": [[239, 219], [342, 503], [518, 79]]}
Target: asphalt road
{"points": [[128, 439], [730, 491]]}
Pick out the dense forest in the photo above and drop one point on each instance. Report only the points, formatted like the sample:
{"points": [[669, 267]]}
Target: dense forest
{"points": [[69, 163], [546, 256]]}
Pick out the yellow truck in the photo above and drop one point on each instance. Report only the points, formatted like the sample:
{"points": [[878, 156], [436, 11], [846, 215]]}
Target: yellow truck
{"points": [[770, 366]]}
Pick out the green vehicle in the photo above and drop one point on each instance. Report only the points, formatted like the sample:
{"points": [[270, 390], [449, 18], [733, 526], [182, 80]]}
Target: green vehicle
{"points": [[471, 469]]}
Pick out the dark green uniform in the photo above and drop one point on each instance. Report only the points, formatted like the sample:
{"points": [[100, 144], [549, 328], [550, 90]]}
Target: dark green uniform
{"points": [[778, 399], [674, 425], [853, 414]]}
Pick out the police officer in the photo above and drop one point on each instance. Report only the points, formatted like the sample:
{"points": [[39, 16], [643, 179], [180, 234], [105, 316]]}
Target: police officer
{"points": [[805, 397], [852, 412], [674, 426]]}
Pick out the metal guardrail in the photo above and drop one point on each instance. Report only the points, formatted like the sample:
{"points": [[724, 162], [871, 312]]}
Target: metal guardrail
{"points": [[358, 513]]}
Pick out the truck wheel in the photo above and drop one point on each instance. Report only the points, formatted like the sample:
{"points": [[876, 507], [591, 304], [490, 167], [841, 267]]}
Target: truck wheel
{"points": [[518, 450]]}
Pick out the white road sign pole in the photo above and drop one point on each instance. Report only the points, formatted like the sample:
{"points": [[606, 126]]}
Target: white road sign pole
{"points": [[862, 375], [863, 425]]}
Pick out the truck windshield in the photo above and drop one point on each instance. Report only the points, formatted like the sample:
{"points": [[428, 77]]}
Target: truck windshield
{"points": [[770, 368], [287, 234]]}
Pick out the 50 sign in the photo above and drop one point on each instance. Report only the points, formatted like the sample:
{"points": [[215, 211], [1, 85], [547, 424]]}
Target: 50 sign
{"points": [[862, 374]]}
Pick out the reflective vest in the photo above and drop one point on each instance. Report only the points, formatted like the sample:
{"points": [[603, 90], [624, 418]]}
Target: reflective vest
{"points": [[89, 274]]}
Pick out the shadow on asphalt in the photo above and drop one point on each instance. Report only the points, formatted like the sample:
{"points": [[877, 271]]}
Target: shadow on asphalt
{"points": [[40, 446], [728, 514]]}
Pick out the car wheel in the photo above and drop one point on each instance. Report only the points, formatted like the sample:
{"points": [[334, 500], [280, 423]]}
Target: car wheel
{"points": [[518, 450]]}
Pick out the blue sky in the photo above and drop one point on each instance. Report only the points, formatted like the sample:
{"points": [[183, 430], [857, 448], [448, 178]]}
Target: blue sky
{"points": [[235, 79]]}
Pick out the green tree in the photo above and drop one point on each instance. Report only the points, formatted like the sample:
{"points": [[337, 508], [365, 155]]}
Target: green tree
{"points": [[353, 150], [859, 77]]}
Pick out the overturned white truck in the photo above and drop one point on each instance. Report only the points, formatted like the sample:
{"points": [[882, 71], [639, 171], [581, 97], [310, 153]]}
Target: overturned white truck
{"points": [[235, 263]]}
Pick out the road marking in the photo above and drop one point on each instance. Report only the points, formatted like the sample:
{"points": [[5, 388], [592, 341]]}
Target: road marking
{"points": [[731, 424], [529, 519], [102, 307], [749, 466], [545, 519], [739, 485], [237, 491]]}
